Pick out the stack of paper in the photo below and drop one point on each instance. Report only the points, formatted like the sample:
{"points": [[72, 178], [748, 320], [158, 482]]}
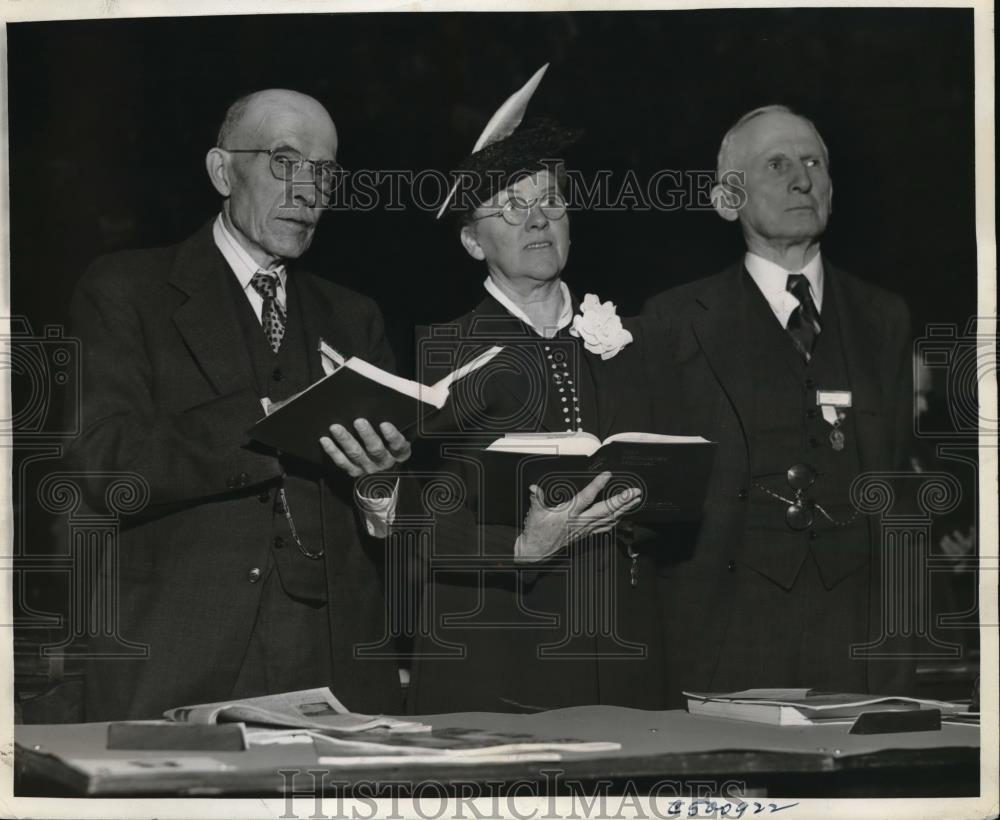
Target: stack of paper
{"points": [[805, 707]]}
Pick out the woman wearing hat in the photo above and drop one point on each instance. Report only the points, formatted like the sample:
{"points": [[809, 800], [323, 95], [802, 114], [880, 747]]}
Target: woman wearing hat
{"points": [[557, 609]]}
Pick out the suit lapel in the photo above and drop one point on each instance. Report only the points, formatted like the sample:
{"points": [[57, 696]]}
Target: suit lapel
{"points": [[860, 342], [207, 321], [608, 392], [720, 324], [320, 320]]}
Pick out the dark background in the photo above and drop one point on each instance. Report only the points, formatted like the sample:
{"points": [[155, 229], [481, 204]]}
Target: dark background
{"points": [[110, 121]]}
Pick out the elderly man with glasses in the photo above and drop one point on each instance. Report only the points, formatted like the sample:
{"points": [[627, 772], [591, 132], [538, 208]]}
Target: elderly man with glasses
{"points": [[246, 574], [801, 373]]}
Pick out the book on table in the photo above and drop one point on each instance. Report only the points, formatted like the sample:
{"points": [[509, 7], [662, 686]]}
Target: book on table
{"points": [[671, 471], [806, 707]]}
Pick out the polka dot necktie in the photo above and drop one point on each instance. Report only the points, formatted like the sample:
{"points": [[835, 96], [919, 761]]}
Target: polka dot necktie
{"points": [[803, 324], [272, 315]]}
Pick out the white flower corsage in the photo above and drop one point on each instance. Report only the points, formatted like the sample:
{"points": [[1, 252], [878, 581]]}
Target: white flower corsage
{"points": [[600, 327]]}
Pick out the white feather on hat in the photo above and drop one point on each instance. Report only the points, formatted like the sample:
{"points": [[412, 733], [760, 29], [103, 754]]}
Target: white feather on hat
{"points": [[503, 123]]}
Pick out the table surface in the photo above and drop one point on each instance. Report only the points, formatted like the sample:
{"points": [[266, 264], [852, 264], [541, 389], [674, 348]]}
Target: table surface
{"points": [[670, 744]]}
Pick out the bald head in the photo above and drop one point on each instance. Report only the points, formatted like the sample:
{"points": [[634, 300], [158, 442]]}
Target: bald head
{"points": [[271, 215], [254, 113]]}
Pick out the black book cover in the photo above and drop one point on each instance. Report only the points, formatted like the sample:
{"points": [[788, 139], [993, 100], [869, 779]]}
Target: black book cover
{"points": [[673, 478], [340, 398]]}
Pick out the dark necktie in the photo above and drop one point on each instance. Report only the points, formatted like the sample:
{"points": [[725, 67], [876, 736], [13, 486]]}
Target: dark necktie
{"points": [[803, 324], [272, 315]]}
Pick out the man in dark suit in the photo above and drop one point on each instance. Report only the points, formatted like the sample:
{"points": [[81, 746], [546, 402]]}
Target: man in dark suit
{"points": [[801, 373], [246, 574]]}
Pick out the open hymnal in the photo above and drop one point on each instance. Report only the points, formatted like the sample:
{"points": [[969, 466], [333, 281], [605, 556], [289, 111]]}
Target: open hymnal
{"points": [[805, 707], [352, 389], [671, 471]]}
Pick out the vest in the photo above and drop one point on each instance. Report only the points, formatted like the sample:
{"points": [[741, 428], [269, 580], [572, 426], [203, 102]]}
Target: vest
{"points": [[278, 376], [789, 429]]}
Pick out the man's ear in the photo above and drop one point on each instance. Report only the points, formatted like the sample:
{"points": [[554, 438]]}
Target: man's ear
{"points": [[725, 202], [471, 243], [218, 170]]}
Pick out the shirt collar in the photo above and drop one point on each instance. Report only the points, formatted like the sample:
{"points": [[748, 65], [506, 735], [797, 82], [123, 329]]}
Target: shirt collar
{"points": [[772, 279], [241, 262], [565, 316]]}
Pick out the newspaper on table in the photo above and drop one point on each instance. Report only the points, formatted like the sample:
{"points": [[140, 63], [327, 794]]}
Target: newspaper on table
{"points": [[343, 738], [316, 709]]}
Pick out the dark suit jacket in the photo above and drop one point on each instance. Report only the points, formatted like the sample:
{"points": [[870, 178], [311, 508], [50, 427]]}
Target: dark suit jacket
{"points": [[168, 394], [710, 350]]}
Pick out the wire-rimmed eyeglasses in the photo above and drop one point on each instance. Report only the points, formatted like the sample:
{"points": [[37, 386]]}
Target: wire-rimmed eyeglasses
{"points": [[515, 210], [287, 163]]}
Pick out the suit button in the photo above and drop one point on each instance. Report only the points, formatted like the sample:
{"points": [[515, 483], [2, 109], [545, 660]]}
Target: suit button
{"points": [[278, 542], [811, 413], [254, 575], [264, 496], [813, 442], [742, 495], [810, 384], [231, 483], [731, 566], [244, 479], [277, 375], [813, 535]]}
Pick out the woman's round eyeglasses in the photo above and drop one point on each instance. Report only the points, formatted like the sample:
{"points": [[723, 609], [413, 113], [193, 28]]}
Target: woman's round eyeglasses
{"points": [[515, 211]]}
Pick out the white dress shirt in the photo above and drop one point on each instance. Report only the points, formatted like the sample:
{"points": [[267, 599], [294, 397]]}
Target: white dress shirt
{"points": [[243, 265], [378, 513], [772, 280]]}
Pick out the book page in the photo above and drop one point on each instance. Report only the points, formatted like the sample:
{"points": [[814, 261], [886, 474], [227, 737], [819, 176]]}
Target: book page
{"points": [[413, 389], [655, 438], [553, 444], [442, 386], [330, 359]]}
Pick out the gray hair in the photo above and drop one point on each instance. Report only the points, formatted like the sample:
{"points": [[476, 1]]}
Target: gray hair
{"points": [[725, 161]]}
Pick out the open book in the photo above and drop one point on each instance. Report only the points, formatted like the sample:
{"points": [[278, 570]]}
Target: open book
{"points": [[352, 389], [804, 707], [671, 471]]}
